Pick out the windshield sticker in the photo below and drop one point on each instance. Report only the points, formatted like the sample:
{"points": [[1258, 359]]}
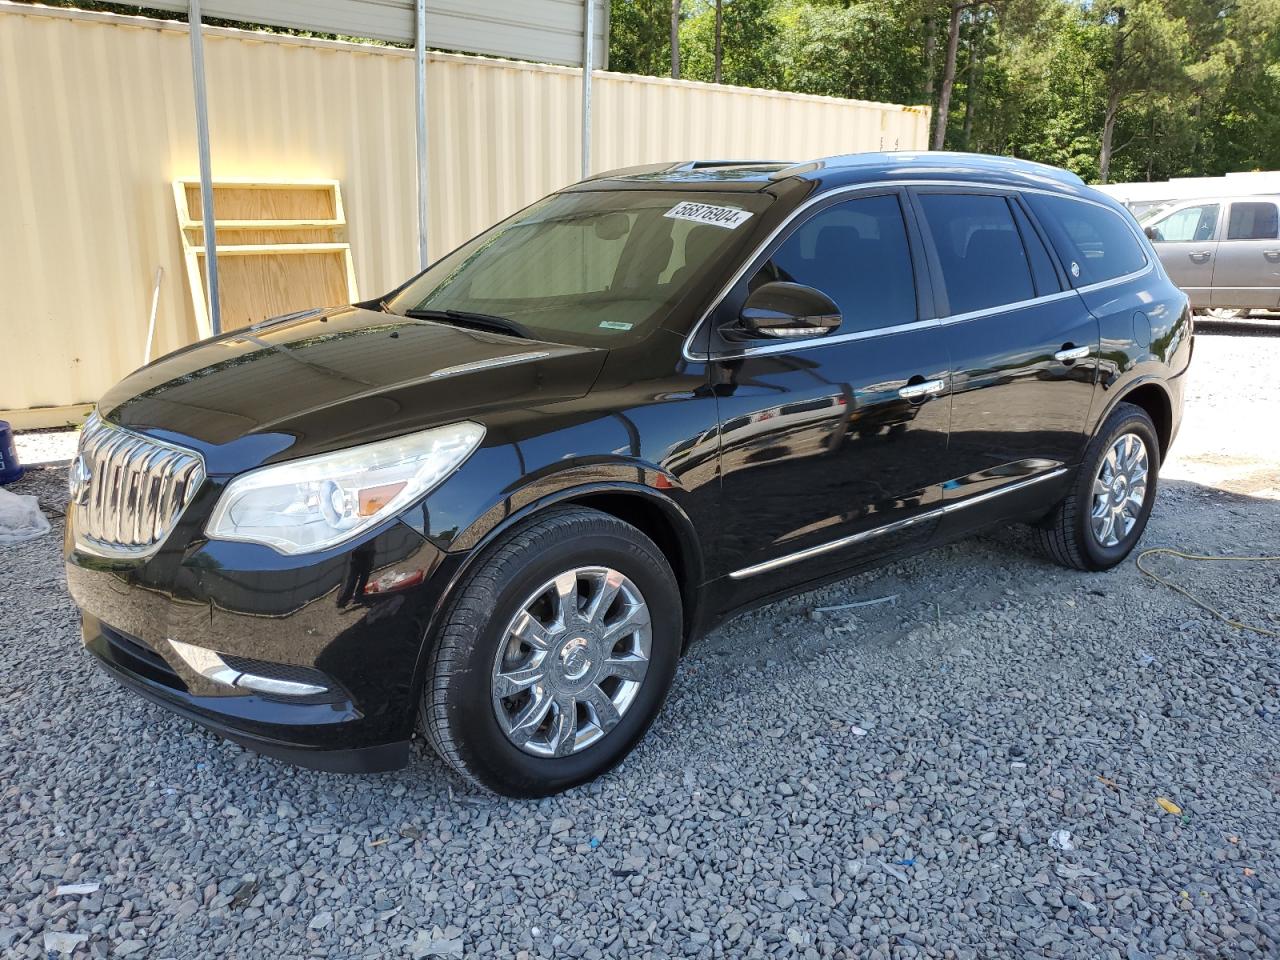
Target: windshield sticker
{"points": [[615, 325], [727, 217]]}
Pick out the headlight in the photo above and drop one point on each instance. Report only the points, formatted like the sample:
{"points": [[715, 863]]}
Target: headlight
{"points": [[319, 502]]}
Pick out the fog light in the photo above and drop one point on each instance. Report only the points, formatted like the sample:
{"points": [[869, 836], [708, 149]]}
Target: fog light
{"points": [[210, 665], [207, 663]]}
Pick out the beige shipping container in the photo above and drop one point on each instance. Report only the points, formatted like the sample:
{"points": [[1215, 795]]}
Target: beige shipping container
{"points": [[96, 115]]}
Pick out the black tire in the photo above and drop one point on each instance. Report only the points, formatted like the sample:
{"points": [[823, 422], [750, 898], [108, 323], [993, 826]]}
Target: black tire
{"points": [[457, 714], [1066, 535]]}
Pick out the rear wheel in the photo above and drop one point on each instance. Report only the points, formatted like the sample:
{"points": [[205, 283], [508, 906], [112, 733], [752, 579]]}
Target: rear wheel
{"points": [[1100, 521], [556, 656], [1226, 313]]}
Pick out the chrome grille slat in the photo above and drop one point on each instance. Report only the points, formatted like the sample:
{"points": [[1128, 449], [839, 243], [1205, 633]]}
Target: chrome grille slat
{"points": [[144, 525], [105, 455], [137, 482], [138, 488], [100, 492], [123, 480]]}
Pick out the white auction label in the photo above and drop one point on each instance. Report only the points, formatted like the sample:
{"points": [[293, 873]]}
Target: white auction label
{"points": [[727, 217]]}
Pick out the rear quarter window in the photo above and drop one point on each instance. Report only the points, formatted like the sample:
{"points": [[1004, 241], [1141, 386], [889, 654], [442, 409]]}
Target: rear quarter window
{"points": [[1094, 242]]}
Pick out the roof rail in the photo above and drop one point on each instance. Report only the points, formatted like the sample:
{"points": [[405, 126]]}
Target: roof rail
{"points": [[681, 165], [711, 164], [931, 157]]}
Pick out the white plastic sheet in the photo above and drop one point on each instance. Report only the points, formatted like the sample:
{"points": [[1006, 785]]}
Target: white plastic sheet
{"points": [[20, 518]]}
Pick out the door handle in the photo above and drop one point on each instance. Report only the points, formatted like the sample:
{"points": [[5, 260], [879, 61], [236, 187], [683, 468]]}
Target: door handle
{"points": [[918, 391], [1070, 354], [1199, 256], [1272, 255]]}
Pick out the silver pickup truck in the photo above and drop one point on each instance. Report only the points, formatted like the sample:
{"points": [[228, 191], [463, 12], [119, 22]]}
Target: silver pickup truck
{"points": [[1224, 253]]}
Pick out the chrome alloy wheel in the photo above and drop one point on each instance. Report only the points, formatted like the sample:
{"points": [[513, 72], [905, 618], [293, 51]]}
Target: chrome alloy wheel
{"points": [[1119, 490], [572, 661]]}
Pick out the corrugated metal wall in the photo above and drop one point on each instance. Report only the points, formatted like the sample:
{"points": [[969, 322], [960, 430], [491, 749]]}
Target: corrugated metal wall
{"points": [[96, 121], [549, 31]]}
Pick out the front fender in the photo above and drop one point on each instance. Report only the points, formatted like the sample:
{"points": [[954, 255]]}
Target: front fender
{"points": [[472, 544]]}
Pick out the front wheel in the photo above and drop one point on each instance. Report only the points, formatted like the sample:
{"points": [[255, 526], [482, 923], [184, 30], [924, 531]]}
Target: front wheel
{"points": [[556, 656], [1100, 521]]}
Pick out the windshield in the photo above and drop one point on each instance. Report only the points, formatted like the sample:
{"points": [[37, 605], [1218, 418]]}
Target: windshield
{"points": [[591, 268]]}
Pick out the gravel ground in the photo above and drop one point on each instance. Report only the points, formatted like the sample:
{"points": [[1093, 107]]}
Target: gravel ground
{"points": [[893, 782]]}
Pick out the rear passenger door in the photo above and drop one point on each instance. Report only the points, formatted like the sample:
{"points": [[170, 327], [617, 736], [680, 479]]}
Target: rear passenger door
{"points": [[1247, 270], [1022, 349]]}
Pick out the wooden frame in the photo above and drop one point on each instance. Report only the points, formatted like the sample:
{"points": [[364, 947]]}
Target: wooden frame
{"points": [[295, 229]]}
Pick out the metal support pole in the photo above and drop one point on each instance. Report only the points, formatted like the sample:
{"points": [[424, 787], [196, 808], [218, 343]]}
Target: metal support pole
{"points": [[588, 56], [151, 324], [206, 173], [420, 50]]}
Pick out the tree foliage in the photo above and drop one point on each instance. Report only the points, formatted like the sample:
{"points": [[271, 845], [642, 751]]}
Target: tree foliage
{"points": [[1151, 89]]}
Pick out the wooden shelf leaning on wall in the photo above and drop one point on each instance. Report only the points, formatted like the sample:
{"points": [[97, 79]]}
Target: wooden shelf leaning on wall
{"points": [[282, 246]]}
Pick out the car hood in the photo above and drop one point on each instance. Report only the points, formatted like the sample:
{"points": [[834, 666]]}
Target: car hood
{"points": [[337, 378]]}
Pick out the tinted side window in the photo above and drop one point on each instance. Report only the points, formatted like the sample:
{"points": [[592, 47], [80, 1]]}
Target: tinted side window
{"points": [[983, 261], [1045, 276], [1253, 221], [1188, 225], [855, 252], [1095, 243]]}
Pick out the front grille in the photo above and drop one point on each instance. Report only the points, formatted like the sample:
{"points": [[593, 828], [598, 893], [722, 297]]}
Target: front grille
{"points": [[129, 490]]}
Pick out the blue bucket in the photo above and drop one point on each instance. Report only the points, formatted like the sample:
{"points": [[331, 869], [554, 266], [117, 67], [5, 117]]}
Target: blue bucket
{"points": [[10, 468]]}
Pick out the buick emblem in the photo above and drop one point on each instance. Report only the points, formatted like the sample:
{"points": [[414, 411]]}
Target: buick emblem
{"points": [[78, 480]]}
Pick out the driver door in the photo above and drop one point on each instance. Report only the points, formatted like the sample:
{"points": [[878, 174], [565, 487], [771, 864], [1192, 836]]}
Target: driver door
{"points": [[1186, 241], [832, 447]]}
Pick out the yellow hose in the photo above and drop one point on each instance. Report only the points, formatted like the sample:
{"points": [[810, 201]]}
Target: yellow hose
{"points": [[1191, 596]]}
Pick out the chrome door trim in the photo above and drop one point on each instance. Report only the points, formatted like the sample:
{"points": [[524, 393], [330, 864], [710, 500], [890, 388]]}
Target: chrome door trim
{"points": [[892, 527], [688, 352]]}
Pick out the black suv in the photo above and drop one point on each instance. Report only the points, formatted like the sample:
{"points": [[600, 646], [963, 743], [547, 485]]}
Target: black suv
{"points": [[499, 502]]}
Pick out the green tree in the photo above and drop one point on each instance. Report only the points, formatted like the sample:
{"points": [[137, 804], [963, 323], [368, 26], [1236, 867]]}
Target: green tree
{"points": [[749, 55], [860, 49], [1140, 48], [639, 36], [1111, 89]]}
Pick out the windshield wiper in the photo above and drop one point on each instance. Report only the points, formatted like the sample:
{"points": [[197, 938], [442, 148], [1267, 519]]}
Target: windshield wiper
{"points": [[485, 321]]}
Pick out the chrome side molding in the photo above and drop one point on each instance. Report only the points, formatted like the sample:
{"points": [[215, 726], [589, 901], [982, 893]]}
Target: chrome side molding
{"points": [[896, 525]]}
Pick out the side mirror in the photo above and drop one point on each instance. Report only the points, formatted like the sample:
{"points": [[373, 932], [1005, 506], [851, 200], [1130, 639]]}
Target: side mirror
{"points": [[1152, 233], [782, 310]]}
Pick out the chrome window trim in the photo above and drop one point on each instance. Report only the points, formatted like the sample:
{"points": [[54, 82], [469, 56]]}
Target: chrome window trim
{"points": [[689, 353], [830, 545], [815, 341]]}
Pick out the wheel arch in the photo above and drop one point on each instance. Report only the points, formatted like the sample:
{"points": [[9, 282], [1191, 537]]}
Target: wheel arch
{"points": [[1151, 396], [655, 515]]}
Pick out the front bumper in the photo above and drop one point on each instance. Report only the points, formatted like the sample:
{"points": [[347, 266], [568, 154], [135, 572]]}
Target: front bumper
{"points": [[358, 617], [301, 734]]}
